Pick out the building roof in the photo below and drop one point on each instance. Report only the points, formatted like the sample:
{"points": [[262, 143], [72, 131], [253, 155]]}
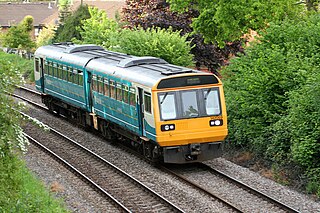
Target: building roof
{"points": [[45, 13], [13, 13]]}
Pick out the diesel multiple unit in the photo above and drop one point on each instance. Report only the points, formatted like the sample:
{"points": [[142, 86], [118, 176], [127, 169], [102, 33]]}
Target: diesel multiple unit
{"points": [[169, 113]]}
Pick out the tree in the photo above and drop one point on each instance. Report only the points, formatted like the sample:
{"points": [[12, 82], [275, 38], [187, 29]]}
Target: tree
{"points": [[98, 29], [226, 21], [45, 36], [68, 30], [157, 13], [272, 95], [19, 36]]}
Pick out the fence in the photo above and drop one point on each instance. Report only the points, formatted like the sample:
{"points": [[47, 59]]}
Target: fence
{"points": [[23, 53]]}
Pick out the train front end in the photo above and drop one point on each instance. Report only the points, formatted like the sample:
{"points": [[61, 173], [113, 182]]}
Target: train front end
{"points": [[191, 117]]}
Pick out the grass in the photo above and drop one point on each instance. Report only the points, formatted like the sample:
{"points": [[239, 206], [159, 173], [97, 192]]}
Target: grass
{"points": [[25, 66], [20, 191]]}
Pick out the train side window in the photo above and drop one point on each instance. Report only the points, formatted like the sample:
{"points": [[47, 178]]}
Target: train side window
{"points": [[112, 89], [54, 70], [132, 96], [147, 102], [49, 68], [106, 87], [36, 64], [80, 77], [94, 83], [59, 71], [70, 74], [46, 67], [125, 94], [119, 92], [64, 73], [100, 84]]}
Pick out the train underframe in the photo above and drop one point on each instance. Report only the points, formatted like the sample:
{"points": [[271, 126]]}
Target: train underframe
{"points": [[109, 130]]}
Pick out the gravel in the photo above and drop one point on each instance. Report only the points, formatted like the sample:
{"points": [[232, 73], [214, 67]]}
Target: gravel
{"points": [[168, 186]]}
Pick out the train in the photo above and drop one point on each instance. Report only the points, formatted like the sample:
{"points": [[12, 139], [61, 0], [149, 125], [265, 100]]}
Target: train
{"points": [[170, 113]]}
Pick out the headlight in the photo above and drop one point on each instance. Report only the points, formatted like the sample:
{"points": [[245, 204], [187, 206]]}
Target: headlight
{"points": [[168, 127], [216, 123]]}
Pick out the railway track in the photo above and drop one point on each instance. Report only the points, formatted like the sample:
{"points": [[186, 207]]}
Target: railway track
{"points": [[225, 201], [200, 168], [124, 190]]}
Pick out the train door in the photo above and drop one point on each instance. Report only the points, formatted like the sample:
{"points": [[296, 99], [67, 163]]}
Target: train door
{"points": [[39, 74], [141, 112], [41, 68]]}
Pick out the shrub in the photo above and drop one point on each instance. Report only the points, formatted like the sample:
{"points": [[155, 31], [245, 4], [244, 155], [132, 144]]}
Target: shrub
{"points": [[272, 95], [161, 43]]}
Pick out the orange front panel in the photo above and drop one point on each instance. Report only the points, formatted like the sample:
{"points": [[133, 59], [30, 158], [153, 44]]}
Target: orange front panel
{"points": [[189, 131]]}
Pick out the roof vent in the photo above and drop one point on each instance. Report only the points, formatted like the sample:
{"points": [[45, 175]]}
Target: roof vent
{"points": [[135, 61], [80, 48], [177, 71]]}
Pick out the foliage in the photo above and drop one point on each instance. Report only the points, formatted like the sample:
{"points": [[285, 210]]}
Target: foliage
{"points": [[224, 21], [69, 29], [272, 95], [156, 13], [45, 36], [19, 36], [20, 191], [161, 43], [27, 23], [64, 10], [98, 29]]}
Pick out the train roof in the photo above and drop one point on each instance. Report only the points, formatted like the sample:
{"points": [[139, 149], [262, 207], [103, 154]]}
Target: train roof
{"points": [[146, 71]]}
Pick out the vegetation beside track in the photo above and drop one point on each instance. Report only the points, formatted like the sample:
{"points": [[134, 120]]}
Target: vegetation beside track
{"points": [[272, 95], [20, 191]]}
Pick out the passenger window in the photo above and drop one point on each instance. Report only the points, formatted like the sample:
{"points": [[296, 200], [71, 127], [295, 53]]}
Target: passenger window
{"points": [[46, 67], [112, 89], [106, 87], [80, 78], [119, 92], [132, 96], [55, 70], [147, 102], [94, 83], [100, 84], [36, 64], [64, 75], [126, 94]]}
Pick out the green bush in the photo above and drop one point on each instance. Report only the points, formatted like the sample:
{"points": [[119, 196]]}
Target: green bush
{"points": [[161, 43], [272, 95]]}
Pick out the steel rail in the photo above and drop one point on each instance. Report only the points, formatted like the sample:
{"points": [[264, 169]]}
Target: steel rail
{"points": [[78, 173], [198, 187], [249, 188]]}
